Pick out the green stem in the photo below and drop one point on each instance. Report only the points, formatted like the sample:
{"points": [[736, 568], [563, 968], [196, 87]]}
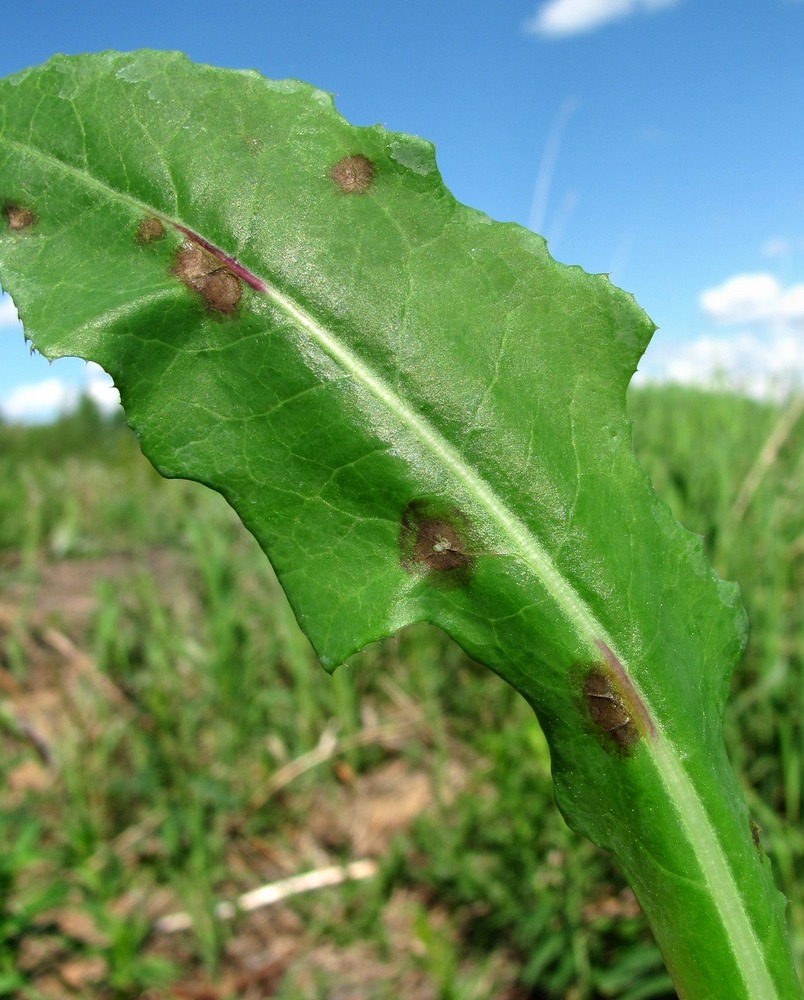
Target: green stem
{"points": [[698, 870]]}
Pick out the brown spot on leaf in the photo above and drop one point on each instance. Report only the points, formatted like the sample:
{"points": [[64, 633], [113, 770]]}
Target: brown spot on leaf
{"points": [[18, 217], [149, 230], [607, 710], [204, 274], [755, 832], [353, 174], [434, 540]]}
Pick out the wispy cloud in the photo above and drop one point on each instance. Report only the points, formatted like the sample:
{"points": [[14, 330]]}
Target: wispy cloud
{"points": [[39, 402], [782, 247], [562, 18], [777, 246], [544, 178]]}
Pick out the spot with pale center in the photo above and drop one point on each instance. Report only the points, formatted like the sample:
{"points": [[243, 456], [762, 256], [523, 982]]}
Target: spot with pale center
{"points": [[18, 218], [432, 537]]}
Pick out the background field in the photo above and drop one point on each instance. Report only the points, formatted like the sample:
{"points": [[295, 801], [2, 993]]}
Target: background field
{"points": [[168, 740]]}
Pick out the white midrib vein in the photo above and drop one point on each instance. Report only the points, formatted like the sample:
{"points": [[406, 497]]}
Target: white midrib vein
{"points": [[679, 788]]}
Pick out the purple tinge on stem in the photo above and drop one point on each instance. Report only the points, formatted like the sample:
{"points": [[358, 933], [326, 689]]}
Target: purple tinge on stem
{"points": [[633, 701]]}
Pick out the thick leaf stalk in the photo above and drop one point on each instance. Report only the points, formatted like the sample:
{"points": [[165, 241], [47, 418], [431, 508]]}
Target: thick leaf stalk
{"points": [[421, 416]]}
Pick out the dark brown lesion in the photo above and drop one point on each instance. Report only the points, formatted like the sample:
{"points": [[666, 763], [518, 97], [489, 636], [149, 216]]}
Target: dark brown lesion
{"points": [[203, 272], [18, 217], [755, 836], [353, 174], [439, 547], [149, 230], [607, 710], [433, 538]]}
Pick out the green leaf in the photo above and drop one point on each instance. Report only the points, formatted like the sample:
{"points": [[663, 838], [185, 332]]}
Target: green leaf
{"points": [[420, 415]]}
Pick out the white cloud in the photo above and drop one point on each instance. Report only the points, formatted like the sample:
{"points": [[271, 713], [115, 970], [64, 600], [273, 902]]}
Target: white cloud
{"points": [[764, 366], [101, 390], [39, 402], [763, 357], [561, 18], [756, 298], [8, 311]]}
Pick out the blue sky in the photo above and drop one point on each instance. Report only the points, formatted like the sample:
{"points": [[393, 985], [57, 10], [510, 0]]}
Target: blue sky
{"points": [[659, 140]]}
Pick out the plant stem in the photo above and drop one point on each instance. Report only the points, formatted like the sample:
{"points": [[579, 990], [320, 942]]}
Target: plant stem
{"points": [[693, 858]]}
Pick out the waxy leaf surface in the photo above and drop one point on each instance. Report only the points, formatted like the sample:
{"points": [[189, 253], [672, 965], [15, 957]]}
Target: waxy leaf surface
{"points": [[417, 412]]}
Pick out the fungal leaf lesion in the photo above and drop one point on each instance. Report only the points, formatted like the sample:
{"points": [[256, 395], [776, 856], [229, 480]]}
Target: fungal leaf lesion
{"points": [[755, 836], [18, 217], [353, 174], [434, 539], [607, 711], [149, 230], [203, 273]]}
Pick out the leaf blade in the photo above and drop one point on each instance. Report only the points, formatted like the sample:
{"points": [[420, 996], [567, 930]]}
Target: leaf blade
{"points": [[390, 348]]}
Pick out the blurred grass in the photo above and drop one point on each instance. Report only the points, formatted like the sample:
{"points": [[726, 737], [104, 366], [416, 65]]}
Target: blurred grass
{"points": [[157, 702]]}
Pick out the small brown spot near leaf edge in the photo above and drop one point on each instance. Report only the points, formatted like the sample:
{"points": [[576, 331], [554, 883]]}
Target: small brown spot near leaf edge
{"points": [[18, 217], [149, 230], [434, 540], [203, 273], [353, 174], [755, 836], [607, 711]]}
